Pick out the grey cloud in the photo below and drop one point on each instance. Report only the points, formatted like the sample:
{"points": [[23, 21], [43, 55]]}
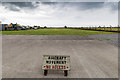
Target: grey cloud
{"points": [[88, 5], [11, 5], [79, 5], [119, 6], [113, 5], [85, 5]]}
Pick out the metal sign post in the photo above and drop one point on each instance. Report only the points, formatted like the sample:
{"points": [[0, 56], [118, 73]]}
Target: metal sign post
{"points": [[55, 62]]}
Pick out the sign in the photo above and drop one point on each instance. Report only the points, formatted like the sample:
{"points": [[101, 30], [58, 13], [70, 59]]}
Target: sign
{"points": [[56, 62]]}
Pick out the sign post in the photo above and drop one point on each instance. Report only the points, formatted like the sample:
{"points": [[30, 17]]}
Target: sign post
{"points": [[55, 62]]}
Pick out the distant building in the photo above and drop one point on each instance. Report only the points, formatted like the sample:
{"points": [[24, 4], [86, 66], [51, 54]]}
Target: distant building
{"points": [[2, 27]]}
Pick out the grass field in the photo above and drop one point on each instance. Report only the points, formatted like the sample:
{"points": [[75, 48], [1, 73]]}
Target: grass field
{"points": [[48, 31]]}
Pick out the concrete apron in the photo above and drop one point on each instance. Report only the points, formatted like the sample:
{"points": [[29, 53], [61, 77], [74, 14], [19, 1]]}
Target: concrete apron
{"points": [[22, 56]]}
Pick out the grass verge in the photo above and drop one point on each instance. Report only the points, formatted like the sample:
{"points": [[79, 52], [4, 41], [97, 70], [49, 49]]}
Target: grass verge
{"points": [[55, 32]]}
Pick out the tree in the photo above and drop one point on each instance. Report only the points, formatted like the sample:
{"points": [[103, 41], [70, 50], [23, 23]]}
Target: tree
{"points": [[38, 27], [99, 27], [45, 26], [65, 26]]}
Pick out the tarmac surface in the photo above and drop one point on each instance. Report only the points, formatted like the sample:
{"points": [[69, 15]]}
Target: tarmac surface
{"points": [[22, 56], [112, 39]]}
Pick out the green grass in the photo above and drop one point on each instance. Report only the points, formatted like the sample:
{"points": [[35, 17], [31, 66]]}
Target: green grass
{"points": [[54, 32], [107, 39], [0, 32]]}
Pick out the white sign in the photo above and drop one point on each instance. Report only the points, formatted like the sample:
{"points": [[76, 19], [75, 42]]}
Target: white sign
{"points": [[56, 62]]}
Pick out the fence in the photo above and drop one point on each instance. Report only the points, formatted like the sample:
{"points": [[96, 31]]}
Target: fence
{"points": [[109, 29]]}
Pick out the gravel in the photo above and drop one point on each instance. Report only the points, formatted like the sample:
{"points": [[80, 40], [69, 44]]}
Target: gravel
{"points": [[112, 39]]}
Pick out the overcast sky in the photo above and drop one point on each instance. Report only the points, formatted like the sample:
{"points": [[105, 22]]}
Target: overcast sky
{"points": [[60, 13]]}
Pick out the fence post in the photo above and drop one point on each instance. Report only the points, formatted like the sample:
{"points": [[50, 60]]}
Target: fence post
{"points": [[95, 27], [118, 28], [104, 28], [110, 28]]}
